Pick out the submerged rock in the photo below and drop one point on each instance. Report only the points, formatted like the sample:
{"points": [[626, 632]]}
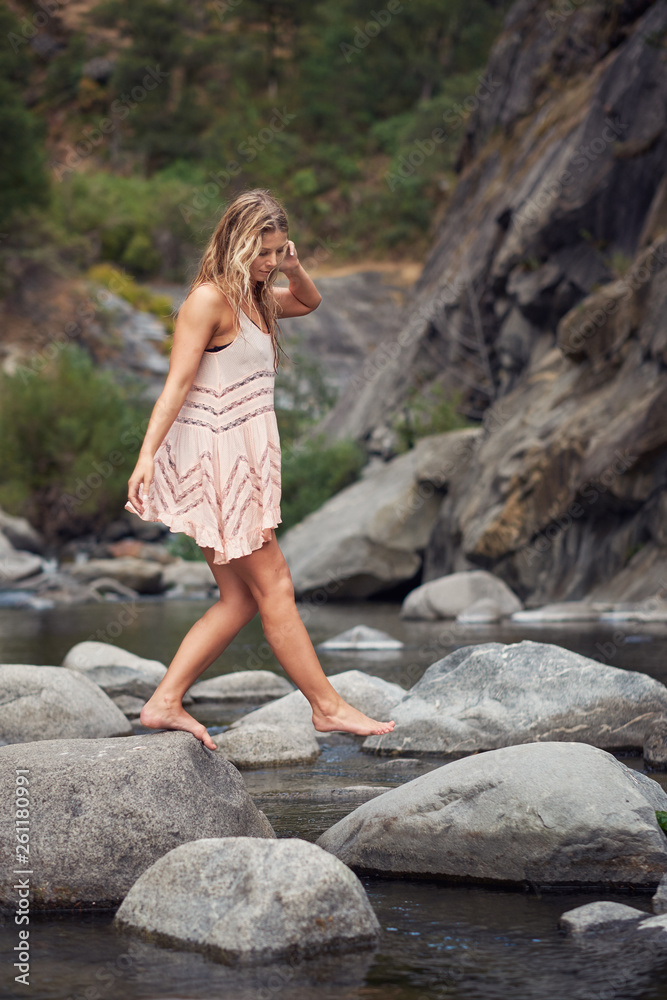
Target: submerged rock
{"points": [[361, 637], [544, 813], [491, 695], [263, 745], [103, 811], [600, 918], [49, 703], [450, 595], [369, 694], [240, 900]]}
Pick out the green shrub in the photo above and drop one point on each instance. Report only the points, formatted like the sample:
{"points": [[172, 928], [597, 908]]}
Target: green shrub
{"points": [[432, 412], [311, 473], [69, 437]]}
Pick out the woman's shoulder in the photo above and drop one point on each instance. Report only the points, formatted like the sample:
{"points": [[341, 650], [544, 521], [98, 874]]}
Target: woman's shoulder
{"points": [[208, 292]]}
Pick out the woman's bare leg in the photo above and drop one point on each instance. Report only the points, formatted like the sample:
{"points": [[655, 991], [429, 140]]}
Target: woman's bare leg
{"points": [[205, 641], [269, 580]]}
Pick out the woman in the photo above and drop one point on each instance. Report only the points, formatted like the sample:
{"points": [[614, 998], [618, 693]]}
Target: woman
{"points": [[209, 465]]}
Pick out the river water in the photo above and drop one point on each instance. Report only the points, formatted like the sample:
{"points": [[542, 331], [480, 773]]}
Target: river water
{"points": [[438, 940]]}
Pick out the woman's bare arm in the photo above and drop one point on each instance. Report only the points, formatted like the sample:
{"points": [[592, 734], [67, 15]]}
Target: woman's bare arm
{"points": [[204, 312]]}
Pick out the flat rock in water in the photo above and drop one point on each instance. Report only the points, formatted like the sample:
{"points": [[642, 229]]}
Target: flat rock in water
{"points": [[371, 695], [450, 595], [240, 900], [492, 695], [600, 918], [361, 637], [268, 746], [48, 703], [142, 575], [545, 813], [116, 670], [242, 685], [103, 811]]}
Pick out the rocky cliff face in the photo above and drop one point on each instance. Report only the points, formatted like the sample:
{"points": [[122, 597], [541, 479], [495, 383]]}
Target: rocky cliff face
{"points": [[545, 299]]}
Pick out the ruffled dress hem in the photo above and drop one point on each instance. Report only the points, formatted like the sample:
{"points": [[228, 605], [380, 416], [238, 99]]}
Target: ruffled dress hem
{"points": [[240, 545]]}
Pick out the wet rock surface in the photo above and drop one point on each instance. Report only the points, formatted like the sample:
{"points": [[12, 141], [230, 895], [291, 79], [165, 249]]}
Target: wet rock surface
{"points": [[494, 694], [102, 811], [543, 813], [249, 901]]}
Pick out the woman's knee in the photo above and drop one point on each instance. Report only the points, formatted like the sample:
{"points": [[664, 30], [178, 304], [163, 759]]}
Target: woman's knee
{"points": [[244, 605]]}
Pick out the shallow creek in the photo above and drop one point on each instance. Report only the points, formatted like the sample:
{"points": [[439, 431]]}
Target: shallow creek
{"points": [[439, 940]]}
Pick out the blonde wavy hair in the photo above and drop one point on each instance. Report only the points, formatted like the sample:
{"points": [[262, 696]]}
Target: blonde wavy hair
{"points": [[233, 246]]}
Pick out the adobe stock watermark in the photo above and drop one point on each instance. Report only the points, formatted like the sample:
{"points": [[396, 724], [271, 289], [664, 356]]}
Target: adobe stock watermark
{"points": [[22, 885], [247, 150], [454, 117], [590, 492], [585, 155], [29, 26], [39, 360], [379, 20], [92, 136], [642, 271]]}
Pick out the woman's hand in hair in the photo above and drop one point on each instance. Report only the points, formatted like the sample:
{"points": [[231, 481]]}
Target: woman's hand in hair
{"points": [[290, 261]]}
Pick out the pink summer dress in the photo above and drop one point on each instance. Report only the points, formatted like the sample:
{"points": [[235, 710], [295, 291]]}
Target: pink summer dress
{"points": [[217, 472]]}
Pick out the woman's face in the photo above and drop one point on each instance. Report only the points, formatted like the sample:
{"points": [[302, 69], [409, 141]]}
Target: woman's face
{"points": [[270, 256]]}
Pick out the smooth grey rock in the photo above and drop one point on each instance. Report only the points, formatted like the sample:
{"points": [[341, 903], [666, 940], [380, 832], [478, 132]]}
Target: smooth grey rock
{"points": [[481, 612], [370, 535], [659, 901], [449, 595], [242, 685], [545, 813], [15, 565], [48, 703], [491, 695], [371, 695], [188, 575], [240, 900], [129, 705], [655, 745], [141, 575], [116, 670], [21, 534], [361, 637], [103, 811], [600, 918], [262, 745]]}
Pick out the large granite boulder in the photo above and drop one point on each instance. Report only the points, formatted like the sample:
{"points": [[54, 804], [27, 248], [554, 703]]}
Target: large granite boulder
{"points": [[103, 811], [602, 917], [493, 695], [450, 595], [262, 745], [116, 670], [50, 703], [543, 813], [371, 695], [242, 901], [370, 536]]}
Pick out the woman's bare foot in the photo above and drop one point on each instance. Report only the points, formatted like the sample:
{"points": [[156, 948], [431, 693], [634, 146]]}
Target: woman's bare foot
{"points": [[344, 718], [158, 715]]}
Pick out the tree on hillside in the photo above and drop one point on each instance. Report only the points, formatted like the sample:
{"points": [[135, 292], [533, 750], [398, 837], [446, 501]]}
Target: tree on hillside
{"points": [[23, 178]]}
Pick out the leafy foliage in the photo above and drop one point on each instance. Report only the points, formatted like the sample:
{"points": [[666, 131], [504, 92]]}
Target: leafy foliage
{"points": [[69, 437]]}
